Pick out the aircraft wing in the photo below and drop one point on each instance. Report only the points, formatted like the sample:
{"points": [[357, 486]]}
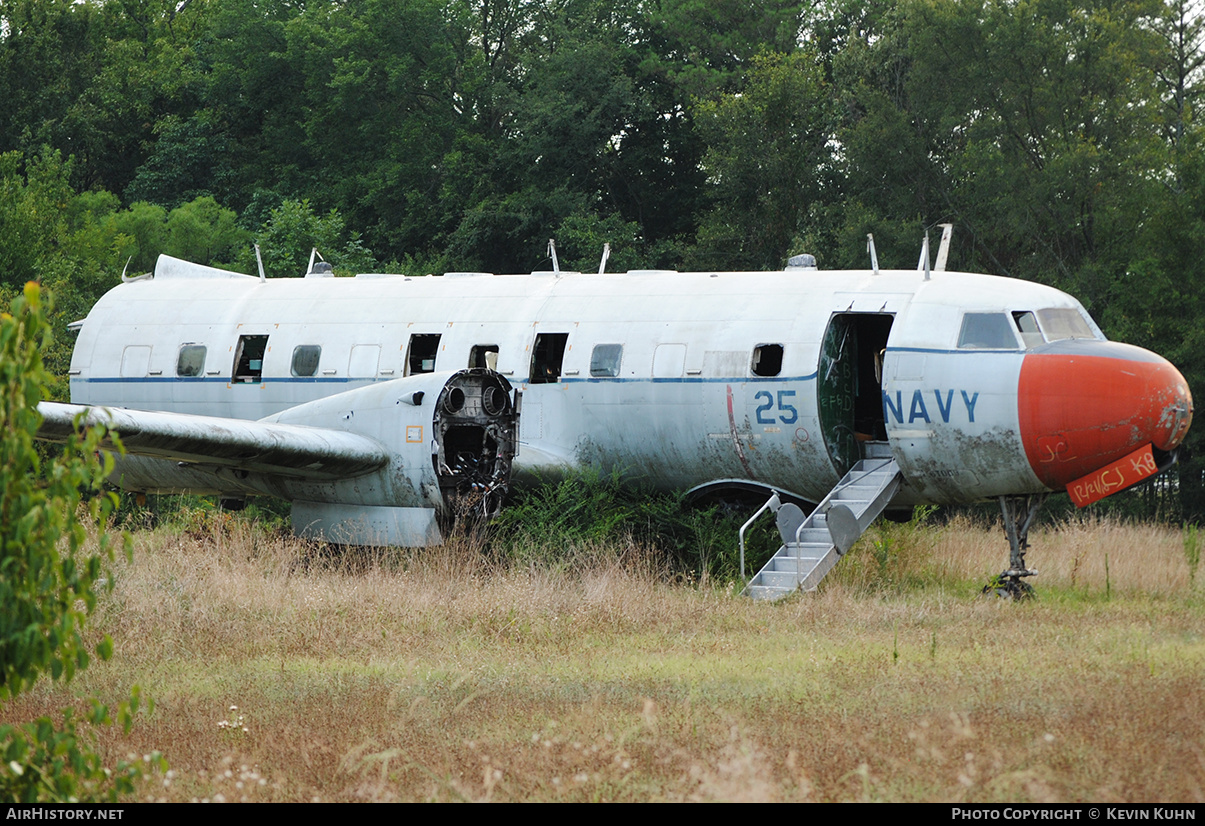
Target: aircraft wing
{"points": [[281, 449]]}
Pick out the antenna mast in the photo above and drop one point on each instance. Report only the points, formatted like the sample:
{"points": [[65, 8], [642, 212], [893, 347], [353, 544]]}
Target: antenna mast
{"points": [[943, 249]]}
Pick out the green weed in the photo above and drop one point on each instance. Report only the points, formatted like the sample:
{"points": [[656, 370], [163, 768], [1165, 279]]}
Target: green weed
{"points": [[891, 554], [1192, 552]]}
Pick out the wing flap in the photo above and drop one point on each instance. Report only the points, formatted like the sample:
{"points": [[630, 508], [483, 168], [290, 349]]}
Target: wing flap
{"points": [[263, 447]]}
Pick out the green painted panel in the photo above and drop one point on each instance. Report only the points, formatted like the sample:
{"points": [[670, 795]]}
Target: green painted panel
{"points": [[836, 389]]}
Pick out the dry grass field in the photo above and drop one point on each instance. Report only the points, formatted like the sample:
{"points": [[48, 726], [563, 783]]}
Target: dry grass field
{"points": [[443, 675]]}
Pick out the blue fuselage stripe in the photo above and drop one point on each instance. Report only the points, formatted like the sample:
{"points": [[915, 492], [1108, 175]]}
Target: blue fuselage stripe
{"points": [[344, 380]]}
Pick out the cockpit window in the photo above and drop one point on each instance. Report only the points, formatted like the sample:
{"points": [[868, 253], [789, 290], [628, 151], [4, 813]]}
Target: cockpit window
{"points": [[986, 331], [1028, 327], [1063, 322]]}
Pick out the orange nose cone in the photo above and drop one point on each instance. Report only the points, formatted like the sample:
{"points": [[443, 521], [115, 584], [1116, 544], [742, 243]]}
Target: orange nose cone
{"points": [[1177, 416], [1085, 403]]}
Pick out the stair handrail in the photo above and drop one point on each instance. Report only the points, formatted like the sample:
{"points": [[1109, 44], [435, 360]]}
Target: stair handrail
{"points": [[845, 482], [773, 503], [799, 547]]}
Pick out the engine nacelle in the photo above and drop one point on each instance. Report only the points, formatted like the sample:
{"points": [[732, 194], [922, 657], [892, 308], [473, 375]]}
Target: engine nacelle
{"points": [[451, 440], [426, 449]]}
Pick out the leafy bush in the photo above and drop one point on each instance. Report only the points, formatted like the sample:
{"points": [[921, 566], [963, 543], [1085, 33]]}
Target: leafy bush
{"points": [[49, 575]]}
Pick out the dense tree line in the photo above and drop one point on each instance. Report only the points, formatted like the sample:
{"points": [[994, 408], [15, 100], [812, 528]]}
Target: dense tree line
{"points": [[1059, 136]]}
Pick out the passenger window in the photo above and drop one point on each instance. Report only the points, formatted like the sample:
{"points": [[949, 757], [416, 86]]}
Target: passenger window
{"points": [[986, 331], [191, 361], [1062, 323], [547, 357], [423, 349], [249, 358], [305, 360], [605, 359], [484, 355], [1031, 336], [767, 360]]}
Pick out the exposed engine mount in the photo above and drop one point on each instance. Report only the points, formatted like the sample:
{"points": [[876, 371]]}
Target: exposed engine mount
{"points": [[476, 425]]}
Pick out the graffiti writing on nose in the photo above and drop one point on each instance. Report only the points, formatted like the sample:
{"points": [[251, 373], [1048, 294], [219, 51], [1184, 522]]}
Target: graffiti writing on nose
{"points": [[1114, 477]]}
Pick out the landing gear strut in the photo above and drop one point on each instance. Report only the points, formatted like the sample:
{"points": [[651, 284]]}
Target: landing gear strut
{"points": [[1019, 513]]}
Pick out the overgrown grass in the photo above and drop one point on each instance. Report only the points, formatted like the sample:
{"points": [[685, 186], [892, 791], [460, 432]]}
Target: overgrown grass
{"points": [[465, 673], [697, 544]]}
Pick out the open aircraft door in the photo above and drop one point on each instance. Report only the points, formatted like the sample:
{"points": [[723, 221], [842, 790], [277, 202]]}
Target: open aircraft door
{"points": [[849, 385]]}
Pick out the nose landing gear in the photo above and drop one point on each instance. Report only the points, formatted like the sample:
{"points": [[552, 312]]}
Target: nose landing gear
{"points": [[1019, 512]]}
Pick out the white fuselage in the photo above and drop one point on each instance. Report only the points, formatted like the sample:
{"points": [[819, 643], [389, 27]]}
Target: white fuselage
{"points": [[774, 378]]}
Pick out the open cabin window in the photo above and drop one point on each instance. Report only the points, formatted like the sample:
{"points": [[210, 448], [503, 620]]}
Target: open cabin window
{"points": [[547, 357], [423, 349], [249, 358], [767, 360], [987, 331], [1027, 325], [305, 360], [191, 361], [484, 355], [605, 360]]}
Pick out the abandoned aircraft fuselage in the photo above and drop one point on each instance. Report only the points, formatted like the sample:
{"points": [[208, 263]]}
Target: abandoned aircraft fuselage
{"points": [[978, 386]]}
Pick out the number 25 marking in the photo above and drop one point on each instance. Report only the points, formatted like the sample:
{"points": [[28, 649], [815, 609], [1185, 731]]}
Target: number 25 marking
{"points": [[787, 412]]}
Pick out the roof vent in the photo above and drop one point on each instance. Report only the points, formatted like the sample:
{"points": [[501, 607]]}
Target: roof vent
{"points": [[321, 269], [801, 262]]}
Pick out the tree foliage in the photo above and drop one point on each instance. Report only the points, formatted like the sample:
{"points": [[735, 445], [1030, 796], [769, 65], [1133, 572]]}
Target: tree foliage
{"points": [[1060, 137], [767, 161]]}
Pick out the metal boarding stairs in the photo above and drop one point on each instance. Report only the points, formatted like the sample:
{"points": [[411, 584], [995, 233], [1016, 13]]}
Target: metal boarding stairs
{"points": [[812, 545]]}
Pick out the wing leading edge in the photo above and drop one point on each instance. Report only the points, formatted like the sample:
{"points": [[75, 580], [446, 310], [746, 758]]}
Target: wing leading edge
{"points": [[263, 447]]}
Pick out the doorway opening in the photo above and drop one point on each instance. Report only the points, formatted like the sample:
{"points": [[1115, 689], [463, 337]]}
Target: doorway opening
{"points": [[547, 357], [849, 385]]}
